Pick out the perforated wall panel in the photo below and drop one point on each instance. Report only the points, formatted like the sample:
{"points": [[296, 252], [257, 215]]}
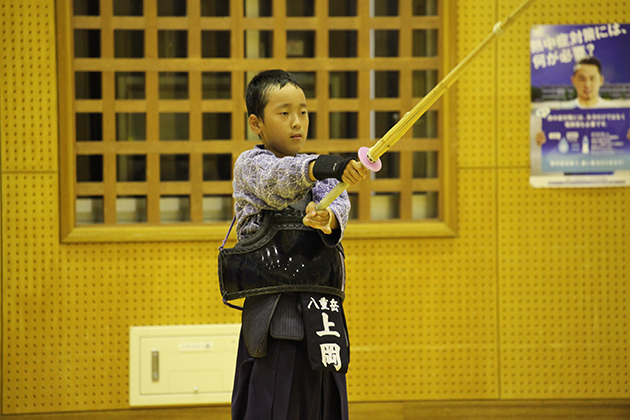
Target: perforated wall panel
{"points": [[67, 309], [563, 255], [29, 92], [476, 87], [422, 313], [564, 289]]}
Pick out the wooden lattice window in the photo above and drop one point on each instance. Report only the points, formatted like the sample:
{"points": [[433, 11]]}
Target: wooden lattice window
{"points": [[152, 114]]}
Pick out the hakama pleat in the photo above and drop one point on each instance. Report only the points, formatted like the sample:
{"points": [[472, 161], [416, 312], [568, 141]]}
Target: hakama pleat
{"points": [[283, 386]]}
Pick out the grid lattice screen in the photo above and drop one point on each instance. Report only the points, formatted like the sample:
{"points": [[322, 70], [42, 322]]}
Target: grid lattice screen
{"points": [[155, 115]]}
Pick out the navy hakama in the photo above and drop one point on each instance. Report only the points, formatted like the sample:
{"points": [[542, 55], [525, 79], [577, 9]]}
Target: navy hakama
{"points": [[283, 386]]}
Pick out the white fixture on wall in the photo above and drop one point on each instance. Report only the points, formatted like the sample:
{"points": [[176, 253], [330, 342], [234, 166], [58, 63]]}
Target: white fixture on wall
{"points": [[182, 364]]}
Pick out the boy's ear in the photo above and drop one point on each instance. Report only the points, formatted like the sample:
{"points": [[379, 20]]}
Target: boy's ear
{"points": [[254, 124]]}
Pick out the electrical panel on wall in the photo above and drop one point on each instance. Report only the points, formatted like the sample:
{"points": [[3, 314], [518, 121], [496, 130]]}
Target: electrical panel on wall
{"points": [[183, 364]]}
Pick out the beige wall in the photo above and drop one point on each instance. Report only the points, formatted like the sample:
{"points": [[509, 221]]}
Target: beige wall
{"points": [[529, 301]]}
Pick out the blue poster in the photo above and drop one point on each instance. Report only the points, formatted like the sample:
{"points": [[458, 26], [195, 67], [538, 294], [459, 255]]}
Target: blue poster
{"points": [[580, 105]]}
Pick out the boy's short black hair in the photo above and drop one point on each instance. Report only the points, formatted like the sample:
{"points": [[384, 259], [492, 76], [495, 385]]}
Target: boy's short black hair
{"points": [[256, 96], [588, 60]]}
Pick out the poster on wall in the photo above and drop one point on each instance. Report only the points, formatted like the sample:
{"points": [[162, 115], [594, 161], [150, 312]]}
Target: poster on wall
{"points": [[580, 105]]}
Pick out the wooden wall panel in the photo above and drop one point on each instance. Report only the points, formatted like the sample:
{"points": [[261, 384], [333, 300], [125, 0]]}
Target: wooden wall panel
{"points": [[28, 89], [564, 277], [422, 313]]}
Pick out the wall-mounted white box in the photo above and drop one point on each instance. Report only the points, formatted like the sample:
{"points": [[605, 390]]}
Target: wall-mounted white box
{"points": [[182, 364]]}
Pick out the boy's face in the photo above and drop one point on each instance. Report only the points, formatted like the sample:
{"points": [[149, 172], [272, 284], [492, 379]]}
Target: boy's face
{"points": [[285, 125], [587, 82]]}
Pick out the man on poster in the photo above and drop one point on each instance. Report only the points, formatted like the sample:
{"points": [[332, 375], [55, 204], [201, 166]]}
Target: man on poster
{"points": [[579, 138]]}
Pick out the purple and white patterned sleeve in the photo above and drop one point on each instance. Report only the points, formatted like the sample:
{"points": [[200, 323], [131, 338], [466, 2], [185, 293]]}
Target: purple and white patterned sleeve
{"points": [[263, 181]]}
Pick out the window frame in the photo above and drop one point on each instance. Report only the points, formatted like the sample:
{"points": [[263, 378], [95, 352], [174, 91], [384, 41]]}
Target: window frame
{"points": [[443, 226]]}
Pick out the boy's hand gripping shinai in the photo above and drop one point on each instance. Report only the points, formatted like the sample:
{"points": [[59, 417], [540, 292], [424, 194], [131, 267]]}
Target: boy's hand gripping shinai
{"points": [[327, 167]]}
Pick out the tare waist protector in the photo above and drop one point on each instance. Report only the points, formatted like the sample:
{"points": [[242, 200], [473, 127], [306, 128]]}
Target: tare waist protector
{"points": [[282, 256]]}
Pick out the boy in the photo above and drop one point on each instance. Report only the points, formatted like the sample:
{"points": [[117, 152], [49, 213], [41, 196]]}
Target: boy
{"points": [[274, 377]]}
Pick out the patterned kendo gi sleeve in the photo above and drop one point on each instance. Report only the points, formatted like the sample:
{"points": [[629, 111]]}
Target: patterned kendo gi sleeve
{"points": [[263, 181]]}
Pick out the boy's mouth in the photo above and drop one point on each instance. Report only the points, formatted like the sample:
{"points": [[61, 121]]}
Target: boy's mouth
{"points": [[297, 136]]}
